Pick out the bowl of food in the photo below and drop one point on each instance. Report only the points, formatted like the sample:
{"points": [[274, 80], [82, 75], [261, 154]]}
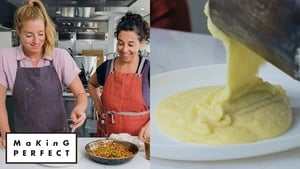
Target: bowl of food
{"points": [[111, 152]]}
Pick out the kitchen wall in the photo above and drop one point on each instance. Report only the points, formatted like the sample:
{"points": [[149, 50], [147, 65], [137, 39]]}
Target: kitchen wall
{"points": [[5, 39], [198, 18]]}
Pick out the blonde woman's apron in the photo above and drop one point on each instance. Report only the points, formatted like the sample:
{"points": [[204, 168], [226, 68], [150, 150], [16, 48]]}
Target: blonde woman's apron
{"points": [[38, 100]]}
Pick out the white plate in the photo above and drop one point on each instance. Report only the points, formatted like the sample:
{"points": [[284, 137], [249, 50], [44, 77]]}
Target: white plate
{"points": [[163, 146]]}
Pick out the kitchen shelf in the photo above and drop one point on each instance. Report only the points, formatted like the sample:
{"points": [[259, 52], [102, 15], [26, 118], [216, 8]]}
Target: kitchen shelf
{"points": [[72, 19], [77, 29], [65, 24], [82, 35]]}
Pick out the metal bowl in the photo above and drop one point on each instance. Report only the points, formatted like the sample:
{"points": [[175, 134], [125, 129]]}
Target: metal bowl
{"points": [[110, 161]]}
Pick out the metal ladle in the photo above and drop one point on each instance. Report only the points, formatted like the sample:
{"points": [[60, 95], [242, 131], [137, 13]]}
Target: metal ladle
{"points": [[270, 28]]}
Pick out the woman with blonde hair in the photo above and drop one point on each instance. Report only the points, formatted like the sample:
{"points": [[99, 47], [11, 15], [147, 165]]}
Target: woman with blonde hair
{"points": [[35, 73]]}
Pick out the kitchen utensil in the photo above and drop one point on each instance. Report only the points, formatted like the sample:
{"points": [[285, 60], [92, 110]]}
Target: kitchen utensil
{"points": [[110, 161], [70, 121], [104, 129], [270, 28], [89, 73], [86, 62], [147, 148], [82, 76]]}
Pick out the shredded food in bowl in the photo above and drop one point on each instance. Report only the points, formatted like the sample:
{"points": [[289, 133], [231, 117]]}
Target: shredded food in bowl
{"points": [[111, 150]]}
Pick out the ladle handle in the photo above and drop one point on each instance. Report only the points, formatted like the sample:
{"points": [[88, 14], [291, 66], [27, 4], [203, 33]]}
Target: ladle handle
{"points": [[270, 28]]}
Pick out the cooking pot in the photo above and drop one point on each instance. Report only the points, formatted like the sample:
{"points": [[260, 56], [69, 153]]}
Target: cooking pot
{"points": [[85, 12], [67, 11]]}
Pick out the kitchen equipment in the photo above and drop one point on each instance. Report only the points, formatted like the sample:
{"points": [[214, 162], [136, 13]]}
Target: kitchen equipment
{"points": [[103, 126], [83, 76], [270, 28], [147, 148], [111, 160], [67, 11], [85, 12], [98, 53], [86, 63]]}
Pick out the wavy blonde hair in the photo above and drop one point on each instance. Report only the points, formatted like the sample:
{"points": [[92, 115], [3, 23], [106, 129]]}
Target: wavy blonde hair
{"points": [[33, 11]]}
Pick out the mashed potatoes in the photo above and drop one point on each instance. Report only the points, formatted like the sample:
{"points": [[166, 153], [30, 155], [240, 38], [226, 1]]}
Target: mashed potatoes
{"points": [[246, 109]]}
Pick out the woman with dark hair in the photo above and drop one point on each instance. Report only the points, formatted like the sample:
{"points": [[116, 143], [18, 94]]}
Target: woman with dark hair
{"points": [[124, 102]]}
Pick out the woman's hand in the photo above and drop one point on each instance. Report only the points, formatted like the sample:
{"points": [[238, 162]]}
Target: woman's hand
{"points": [[144, 132], [78, 117], [2, 143]]}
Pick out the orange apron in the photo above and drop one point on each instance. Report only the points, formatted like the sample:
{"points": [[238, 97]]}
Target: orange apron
{"points": [[125, 110]]}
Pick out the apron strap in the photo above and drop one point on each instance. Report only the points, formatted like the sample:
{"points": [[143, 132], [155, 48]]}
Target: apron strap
{"points": [[139, 71], [112, 66], [18, 64], [112, 113]]}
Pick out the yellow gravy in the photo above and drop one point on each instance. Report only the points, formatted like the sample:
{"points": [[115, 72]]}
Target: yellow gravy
{"points": [[246, 109]]}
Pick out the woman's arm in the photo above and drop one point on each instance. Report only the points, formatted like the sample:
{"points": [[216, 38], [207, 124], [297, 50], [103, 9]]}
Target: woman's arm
{"points": [[78, 114], [144, 131], [95, 93], [4, 124]]}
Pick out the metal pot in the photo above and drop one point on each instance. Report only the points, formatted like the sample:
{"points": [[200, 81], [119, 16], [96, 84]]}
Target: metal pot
{"points": [[67, 11], [85, 12]]}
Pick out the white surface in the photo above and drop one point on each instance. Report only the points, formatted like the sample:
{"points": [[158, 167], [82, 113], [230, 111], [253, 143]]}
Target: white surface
{"points": [[138, 162], [57, 165], [173, 50], [169, 83]]}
